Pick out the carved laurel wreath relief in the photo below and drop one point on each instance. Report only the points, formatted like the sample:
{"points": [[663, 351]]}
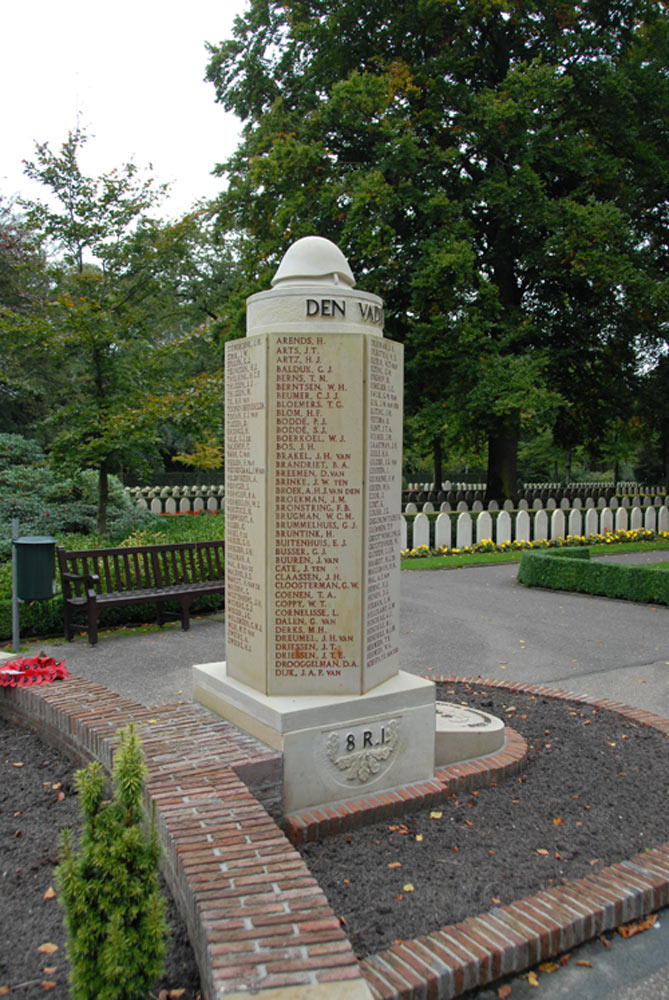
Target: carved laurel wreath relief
{"points": [[363, 764]]}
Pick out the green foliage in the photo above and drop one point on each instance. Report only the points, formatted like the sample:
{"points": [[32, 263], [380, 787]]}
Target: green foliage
{"points": [[114, 913], [15, 449], [47, 502], [497, 173], [117, 348], [631, 583]]}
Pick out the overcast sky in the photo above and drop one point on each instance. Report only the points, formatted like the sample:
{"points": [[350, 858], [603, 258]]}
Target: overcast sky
{"points": [[131, 74]]}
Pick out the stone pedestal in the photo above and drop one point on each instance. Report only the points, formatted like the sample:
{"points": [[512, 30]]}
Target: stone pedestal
{"points": [[313, 419]]}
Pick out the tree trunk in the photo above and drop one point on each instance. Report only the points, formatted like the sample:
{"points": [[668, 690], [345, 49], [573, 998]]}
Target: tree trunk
{"points": [[438, 474], [103, 498], [567, 468], [502, 461]]}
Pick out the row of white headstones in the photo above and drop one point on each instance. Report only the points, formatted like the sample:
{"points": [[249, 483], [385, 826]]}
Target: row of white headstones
{"points": [[529, 526]]}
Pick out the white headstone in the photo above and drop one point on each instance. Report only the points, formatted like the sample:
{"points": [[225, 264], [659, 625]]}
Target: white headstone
{"points": [[428, 507], [591, 519], [540, 525], [463, 534], [557, 523], [411, 508], [442, 532], [575, 522], [621, 519], [606, 520], [551, 503], [523, 526], [170, 506], [636, 519], [650, 519], [184, 505], [503, 527], [484, 527], [421, 530], [663, 519]]}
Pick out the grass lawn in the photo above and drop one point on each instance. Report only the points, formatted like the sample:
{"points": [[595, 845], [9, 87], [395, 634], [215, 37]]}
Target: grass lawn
{"points": [[490, 558]]}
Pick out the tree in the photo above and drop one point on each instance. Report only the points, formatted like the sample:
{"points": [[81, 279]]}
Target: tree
{"points": [[496, 171], [120, 332]]}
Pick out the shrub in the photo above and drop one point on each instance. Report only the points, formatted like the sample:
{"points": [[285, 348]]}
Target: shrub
{"points": [[114, 913], [47, 503], [630, 583], [18, 450]]}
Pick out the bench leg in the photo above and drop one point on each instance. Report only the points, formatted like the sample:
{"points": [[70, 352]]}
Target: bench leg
{"points": [[67, 621], [185, 603], [92, 626], [160, 613]]}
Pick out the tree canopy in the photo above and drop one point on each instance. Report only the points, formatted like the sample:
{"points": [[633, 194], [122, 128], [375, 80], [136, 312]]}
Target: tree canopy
{"points": [[497, 171], [115, 345]]}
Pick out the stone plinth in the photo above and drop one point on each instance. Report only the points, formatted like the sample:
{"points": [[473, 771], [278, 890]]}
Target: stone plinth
{"points": [[334, 748]]}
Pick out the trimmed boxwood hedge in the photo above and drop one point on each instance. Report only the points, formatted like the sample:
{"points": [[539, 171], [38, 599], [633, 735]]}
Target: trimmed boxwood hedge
{"points": [[571, 569]]}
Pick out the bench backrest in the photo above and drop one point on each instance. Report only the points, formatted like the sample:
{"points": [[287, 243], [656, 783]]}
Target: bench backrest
{"points": [[142, 566]]}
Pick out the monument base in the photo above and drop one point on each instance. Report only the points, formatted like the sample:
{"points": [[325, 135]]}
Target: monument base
{"points": [[334, 746]]}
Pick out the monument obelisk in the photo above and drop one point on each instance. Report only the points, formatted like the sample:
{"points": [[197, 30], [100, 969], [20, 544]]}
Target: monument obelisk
{"points": [[313, 422]]}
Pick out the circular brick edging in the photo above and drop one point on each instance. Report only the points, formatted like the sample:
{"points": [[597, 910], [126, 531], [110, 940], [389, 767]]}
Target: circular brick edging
{"points": [[257, 918]]}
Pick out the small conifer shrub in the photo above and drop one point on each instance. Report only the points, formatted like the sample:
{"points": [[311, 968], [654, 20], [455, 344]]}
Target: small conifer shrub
{"points": [[114, 913]]}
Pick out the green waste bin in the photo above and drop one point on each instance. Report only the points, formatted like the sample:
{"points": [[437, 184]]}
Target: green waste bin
{"points": [[35, 567]]}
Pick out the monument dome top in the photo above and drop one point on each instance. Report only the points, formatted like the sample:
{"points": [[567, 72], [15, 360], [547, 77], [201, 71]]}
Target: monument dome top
{"points": [[313, 259]]}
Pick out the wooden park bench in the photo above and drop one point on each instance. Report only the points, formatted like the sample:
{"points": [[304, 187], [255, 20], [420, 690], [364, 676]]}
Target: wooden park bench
{"points": [[100, 578]]}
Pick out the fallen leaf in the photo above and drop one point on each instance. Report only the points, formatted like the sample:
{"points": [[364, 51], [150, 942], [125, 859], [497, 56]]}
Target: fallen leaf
{"points": [[50, 893], [48, 948], [16, 814], [548, 967], [542, 851], [47, 984], [557, 821], [584, 963], [395, 864], [56, 785], [152, 722], [17, 763], [436, 815], [503, 992], [565, 958], [595, 861], [408, 887], [60, 797], [637, 926], [49, 969], [4, 991], [605, 941], [175, 994], [398, 898], [533, 979], [419, 837], [495, 900]]}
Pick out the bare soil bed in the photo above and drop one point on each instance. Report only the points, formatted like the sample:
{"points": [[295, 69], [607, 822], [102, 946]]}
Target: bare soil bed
{"points": [[592, 791], [38, 799]]}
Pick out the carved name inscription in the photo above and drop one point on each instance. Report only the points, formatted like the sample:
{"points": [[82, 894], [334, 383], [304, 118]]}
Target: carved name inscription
{"points": [[384, 479], [245, 491], [317, 486]]}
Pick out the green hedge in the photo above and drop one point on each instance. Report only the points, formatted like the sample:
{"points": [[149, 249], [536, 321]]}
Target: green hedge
{"points": [[571, 569]]}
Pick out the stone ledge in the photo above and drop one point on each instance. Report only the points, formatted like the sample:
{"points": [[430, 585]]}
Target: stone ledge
{"points": [[258, 920]]}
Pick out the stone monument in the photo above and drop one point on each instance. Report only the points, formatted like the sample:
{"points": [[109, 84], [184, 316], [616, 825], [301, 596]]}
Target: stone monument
{"points": [[313, 431]]}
